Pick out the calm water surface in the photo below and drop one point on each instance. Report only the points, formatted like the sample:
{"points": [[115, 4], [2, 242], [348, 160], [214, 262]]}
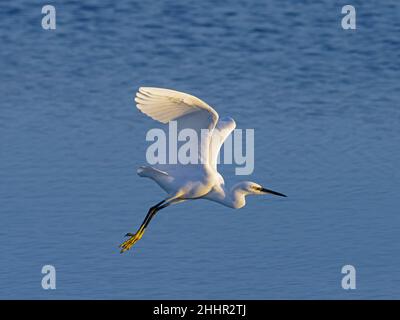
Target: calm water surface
{"points": [[324, 104]]}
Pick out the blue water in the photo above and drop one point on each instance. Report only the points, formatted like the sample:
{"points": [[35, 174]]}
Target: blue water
{"points": [[324, 103]]}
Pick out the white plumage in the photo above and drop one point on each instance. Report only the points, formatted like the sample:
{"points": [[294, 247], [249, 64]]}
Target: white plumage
{"points": [[191, 181]]}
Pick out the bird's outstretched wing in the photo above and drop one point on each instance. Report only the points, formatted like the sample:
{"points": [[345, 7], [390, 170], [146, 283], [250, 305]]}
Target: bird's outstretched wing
{"points": [[221, 132], [166, 105]]}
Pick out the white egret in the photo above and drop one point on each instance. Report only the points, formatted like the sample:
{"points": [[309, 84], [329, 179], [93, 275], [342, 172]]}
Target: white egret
{"points": [[191, 181]]}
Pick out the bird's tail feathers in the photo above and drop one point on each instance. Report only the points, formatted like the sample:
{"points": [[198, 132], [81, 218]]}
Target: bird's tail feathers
{"points": [[150, 172]]}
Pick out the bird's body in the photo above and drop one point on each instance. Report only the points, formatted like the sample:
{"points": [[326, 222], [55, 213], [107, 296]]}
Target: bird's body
{"points": [[200, 180], [191, 180]]}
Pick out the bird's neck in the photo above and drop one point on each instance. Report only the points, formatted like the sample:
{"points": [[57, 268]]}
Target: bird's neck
{"points": [[234, 197]]}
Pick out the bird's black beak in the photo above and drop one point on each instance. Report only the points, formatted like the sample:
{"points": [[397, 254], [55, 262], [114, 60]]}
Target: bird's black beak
{"points": [[272, 192]]}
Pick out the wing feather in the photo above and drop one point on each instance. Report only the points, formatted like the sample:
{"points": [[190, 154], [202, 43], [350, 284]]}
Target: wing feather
{"points": [[176, 104], [221, 132], [165, 105]]}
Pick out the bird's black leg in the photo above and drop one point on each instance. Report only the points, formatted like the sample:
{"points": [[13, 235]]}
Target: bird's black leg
{"points": [[150, 214], [153, 213], [138, 235]]}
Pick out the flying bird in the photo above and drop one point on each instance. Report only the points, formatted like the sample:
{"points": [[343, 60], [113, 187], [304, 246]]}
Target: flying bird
{"points": [[201, 180]]}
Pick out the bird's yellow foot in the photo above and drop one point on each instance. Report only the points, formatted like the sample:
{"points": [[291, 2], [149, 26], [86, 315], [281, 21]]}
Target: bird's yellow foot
{"points": [[126, 245]]}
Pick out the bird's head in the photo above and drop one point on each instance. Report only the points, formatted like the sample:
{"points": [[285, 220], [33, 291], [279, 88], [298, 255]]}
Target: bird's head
{"points": [[254, 188]]}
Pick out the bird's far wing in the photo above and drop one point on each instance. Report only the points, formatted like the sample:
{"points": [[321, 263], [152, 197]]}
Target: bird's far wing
{"points": [[220, 134], [166, 105]]}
